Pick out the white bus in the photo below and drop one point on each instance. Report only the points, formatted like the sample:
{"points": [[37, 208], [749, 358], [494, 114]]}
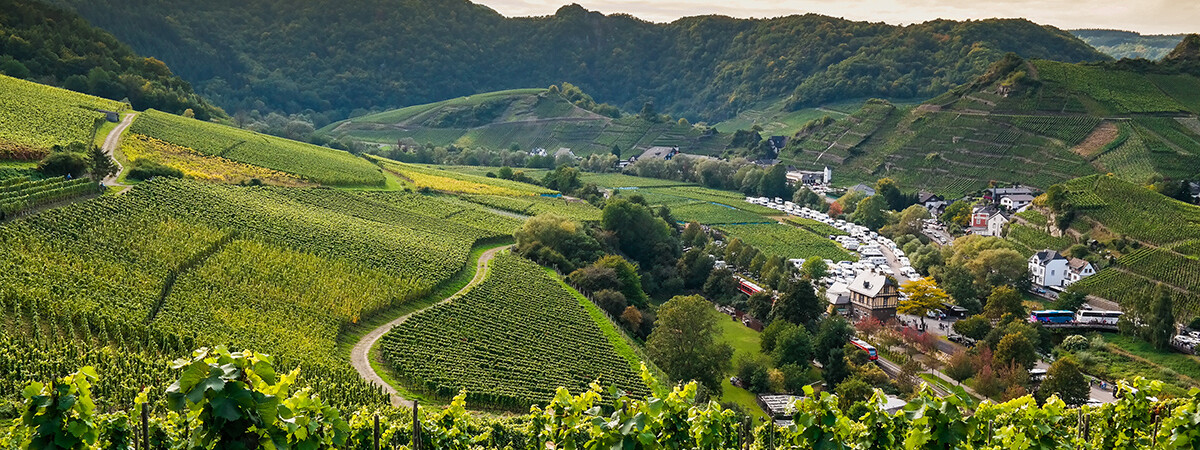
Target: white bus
{"points": [[1097, 316]]}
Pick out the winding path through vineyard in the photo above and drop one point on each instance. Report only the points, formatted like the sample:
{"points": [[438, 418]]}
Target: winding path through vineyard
{"points": [[360, 355], [111, 142]]}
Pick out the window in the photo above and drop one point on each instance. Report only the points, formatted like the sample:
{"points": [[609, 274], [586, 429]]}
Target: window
{"points": [[1051, 273]]}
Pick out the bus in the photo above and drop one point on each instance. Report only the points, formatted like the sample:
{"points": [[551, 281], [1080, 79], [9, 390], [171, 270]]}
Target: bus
{"points": [[870, 349], [1098, 317], [1052, 316]]}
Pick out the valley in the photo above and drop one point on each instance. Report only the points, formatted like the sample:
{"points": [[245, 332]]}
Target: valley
{"points": [[591, 231]]}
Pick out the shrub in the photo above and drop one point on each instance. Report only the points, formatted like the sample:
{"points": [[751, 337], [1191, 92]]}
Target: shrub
{"points": [[1075, 343], [65, 163], [145, 169]]}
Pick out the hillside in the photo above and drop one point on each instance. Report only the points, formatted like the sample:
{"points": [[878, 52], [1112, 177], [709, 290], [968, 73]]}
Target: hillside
{"points": [[527, 118], [219, 143], [37, 118], [1110, 209], [339, 57], [1128, 44], [57, 47], [1035, 122]]}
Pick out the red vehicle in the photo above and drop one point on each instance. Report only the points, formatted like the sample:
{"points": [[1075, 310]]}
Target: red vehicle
{"points": [[870, 349], [748, 288]]}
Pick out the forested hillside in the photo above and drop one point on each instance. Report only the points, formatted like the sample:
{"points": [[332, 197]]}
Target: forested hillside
{"points": [[344, 56], [1129, 44], [55, 46]]}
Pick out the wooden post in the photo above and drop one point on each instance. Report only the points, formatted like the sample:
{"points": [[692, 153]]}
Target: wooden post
{"points": [[416, 430], [375, 436], [146, 427]]}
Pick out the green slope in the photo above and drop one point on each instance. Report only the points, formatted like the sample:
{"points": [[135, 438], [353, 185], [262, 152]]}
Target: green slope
{"points": [[1033, 122], [35, 117], [318, 164], [527, 118]]}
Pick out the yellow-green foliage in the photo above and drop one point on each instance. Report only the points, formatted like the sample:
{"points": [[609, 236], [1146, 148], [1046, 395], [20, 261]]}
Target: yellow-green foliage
{"points": [[310, 162], [35, 117]]}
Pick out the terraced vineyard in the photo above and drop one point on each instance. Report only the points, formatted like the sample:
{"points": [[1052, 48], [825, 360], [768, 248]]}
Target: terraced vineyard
{"points": [[19, 194], [309, 162], [787, 241], [1115, 91], [281, 269], [438, 179], [833, 144], [1126, 209], [1031, 240], [509, 342], [955, 154], [37, 117]]}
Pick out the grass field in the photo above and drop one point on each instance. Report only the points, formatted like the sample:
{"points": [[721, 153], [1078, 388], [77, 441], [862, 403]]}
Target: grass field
{"points": [[438, 179], [746, 344]]}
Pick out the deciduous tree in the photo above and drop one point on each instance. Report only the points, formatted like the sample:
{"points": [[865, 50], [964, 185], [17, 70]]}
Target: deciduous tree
{"points": [[684, 343]]}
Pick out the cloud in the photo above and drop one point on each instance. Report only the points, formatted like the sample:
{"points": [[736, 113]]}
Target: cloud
{"points": [[1146, 16]]}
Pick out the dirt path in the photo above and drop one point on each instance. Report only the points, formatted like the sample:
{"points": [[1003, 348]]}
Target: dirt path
{"points": [[111, 143], [360, 355]]}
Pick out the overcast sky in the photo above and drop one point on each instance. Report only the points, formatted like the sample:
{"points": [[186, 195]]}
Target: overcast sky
{"points": [[1144, 16]]}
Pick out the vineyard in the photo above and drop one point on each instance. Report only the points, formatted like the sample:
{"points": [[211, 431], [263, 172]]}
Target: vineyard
{"points": [[1031, 240], [20, 194], [284, 269], [36, 117], [833, 144], [818, 228], [787, 241], [713, 214], [438, 179], [536, 205], [199, 166], [1116, 91], [1130, 209], [527, 118], [510, 342], [1142, 417], [683, 194], [309, 162], [1165, 266]]}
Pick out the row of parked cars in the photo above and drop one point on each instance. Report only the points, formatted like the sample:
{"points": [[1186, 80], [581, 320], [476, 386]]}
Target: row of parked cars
{"points": [[869, 245]]}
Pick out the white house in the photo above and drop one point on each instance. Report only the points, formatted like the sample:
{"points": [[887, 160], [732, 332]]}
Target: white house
{"points": [[995, 224], [1077, 269], [1016, 202], [1048, 268]]}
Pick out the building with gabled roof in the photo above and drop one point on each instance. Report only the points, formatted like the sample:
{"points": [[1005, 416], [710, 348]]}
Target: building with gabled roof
{"points": [[1048, 268], [874, 294]]}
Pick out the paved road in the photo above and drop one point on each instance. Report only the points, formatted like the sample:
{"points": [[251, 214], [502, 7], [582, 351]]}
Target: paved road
{"points": [[111, 143], [361, 354]]}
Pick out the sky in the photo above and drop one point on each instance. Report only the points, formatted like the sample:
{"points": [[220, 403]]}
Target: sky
{"points": [[1144, 16]]}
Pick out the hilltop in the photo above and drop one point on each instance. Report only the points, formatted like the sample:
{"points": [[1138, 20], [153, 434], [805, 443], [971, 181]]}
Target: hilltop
{"points": [[336, 58], [528, 119], [1035, 122]]}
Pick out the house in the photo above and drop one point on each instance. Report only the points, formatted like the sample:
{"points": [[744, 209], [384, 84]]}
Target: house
{"points": [[538, 152], [998, 194], [1048, 268], [564, 151], [981, 214], [1016, 202], [1194, 190], [627, 162], [110, 116], [838, 296], [869, 191], [874, 294], [1077, 269], [928, 198], [660, 152], [810, 177], [995, 223]]}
